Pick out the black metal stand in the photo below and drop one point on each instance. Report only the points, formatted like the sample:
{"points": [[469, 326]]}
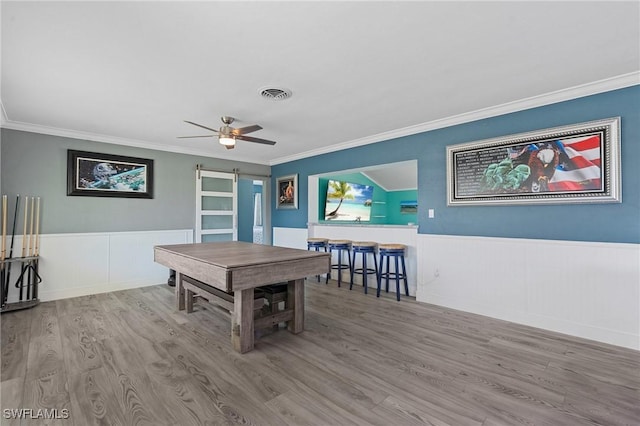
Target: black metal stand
{"points": [[28, 279], [171, 282]]}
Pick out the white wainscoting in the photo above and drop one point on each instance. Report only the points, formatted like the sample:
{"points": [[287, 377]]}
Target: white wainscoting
{"points": [[290, 237], [584, 289], [590, 290], [81, 264]]}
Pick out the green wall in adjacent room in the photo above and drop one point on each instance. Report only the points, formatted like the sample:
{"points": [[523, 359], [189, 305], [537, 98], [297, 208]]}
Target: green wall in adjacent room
{"points": [[394, 215], [386, 204]]}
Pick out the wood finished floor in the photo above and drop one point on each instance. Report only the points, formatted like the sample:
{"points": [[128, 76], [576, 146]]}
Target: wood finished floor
{"points": [[128, 358]]}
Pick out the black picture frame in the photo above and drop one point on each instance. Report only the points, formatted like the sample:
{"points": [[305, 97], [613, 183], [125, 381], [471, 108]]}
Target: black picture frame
{"points": [[92, 174], [578, 163]]}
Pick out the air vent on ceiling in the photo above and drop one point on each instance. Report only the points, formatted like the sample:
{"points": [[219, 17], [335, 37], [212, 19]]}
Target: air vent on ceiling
{"points": [[275, 94]]}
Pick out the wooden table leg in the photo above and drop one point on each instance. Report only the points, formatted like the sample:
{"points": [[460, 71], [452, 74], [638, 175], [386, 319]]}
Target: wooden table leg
{"points": [[188, 295], [242, 321], [179, 292], [295, 301]]}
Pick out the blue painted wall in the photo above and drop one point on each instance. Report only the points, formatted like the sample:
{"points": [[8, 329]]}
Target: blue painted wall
{"points": [[575, 222]]}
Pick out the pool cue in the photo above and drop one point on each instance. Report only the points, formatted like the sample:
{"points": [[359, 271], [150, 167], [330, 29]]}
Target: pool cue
{"points": [[3, 243], [33, 199], [36, 252], [24, 229], [4, 228], [31, 244], [20, 281], [25, 244], [13, 235]]}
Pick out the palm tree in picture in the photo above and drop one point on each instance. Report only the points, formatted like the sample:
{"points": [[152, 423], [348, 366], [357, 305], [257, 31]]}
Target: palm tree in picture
{"points": [[338, 190]]}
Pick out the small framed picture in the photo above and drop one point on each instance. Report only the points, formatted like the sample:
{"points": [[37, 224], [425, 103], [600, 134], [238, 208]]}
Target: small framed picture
{"points": [[287, 192], [92, 174]]}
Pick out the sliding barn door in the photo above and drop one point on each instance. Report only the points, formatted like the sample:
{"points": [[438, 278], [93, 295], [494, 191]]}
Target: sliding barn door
{"points": [[216, 206]]}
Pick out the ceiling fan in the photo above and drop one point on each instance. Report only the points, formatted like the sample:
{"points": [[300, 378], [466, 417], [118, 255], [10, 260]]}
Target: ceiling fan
{"points": [[228, 135]]}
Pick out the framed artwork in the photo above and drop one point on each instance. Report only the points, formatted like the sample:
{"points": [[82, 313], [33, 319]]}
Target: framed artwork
{"points": [[409, 207], [348, 201], [578, 163], [287, 187], [105, 175]]}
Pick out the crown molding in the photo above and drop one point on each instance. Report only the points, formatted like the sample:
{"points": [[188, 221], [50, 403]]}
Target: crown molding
{"points": [[74, 134], [601, 86], [613, 83]]}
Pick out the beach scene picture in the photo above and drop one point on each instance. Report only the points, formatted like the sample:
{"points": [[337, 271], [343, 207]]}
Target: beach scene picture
{"points": [[409, 207], [348, 201]]}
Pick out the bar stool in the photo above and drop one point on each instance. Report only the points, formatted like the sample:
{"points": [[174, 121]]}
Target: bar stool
{"points": [[397, 252], [317, 244], [365, 248], [342, 246]]}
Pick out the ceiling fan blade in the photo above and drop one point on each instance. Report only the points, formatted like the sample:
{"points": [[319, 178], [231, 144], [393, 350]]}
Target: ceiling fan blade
{"points": [[257, 140], [200, 125], [245, 130], [205, 136]]}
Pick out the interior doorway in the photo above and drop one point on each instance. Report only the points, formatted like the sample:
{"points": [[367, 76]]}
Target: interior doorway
{"points": [[258, 220], [252, 211]]}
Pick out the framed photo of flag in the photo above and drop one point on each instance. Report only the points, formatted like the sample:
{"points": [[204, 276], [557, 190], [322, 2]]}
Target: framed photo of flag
{"points": [[579, 163]]}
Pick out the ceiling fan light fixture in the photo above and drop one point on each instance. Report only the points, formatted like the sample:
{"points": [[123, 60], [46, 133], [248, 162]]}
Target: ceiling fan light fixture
{"points": [[227, 140], [228, 135]]}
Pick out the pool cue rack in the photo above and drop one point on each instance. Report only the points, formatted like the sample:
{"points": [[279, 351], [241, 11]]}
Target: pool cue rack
{"points": [[25, 277], [27, 280]]}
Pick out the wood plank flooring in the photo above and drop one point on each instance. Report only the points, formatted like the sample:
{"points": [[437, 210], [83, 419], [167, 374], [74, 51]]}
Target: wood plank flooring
{"points": [[129, 358]]}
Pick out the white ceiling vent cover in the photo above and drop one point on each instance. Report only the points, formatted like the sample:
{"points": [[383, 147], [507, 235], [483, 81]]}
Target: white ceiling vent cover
{"points": [[275, 94]]}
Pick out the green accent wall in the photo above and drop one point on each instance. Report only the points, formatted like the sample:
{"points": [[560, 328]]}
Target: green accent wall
{"points": [[394, 216]]}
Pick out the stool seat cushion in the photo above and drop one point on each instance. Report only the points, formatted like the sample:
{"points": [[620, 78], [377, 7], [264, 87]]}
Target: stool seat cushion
{"points": [[317, 240], [392, 247], [364, 244], [334, 242]]}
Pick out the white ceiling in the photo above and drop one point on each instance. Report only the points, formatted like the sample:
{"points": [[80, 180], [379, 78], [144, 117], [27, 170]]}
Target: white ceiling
{"points": [[395, 176], [131, 72]]}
